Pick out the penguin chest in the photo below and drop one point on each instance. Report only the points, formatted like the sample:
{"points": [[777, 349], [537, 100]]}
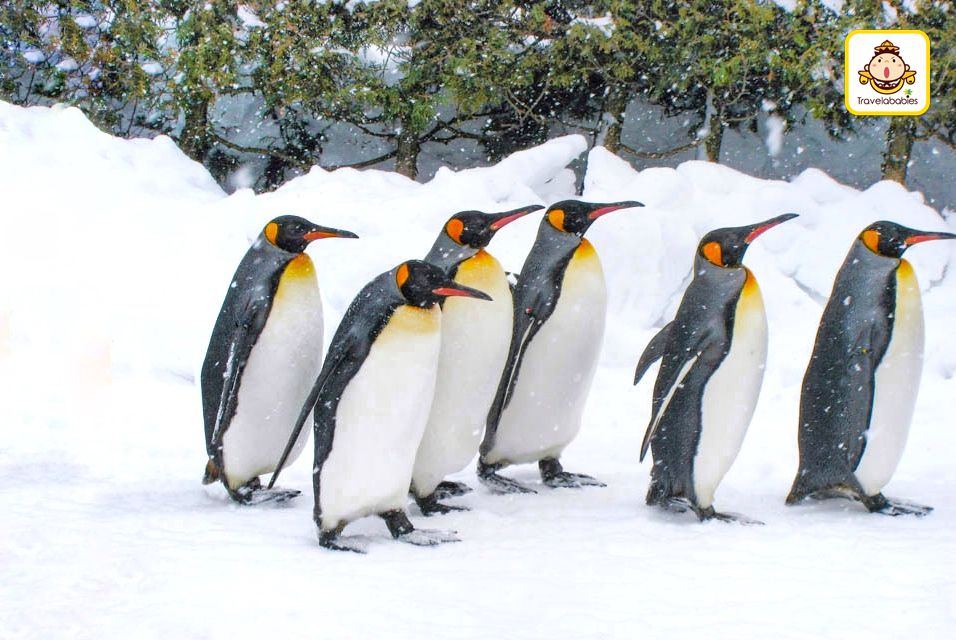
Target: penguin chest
{"points": [[474, 346], [730, 395], [896, 385], [380, 419], [545, 410], [278, 376]]}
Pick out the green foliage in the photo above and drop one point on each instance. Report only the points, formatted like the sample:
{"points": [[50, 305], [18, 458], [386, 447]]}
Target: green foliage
{"points": [[504, 73]]}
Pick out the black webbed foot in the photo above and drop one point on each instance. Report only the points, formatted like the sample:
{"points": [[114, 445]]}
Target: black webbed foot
{"points": [[730, 517], [334, 541], [429, 505], [890, 507], [402, 529], [488, 476], [252, 493], [554, 475], [448, 489]]}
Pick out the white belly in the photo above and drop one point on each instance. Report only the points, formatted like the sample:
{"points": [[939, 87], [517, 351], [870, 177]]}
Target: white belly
{"points": [[380, 420], [545, 411], [897, 383], [475, 340], [284, 363], [730, 396]]}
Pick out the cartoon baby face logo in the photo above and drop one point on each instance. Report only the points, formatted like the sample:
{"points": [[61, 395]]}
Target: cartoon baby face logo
{"points": [[886, 71]]}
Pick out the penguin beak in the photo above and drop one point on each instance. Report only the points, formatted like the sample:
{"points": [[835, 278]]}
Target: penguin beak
{"points": [[510, 216], [319, 233], [453, 289], [767, 225], [926, 236], [605, 209]]}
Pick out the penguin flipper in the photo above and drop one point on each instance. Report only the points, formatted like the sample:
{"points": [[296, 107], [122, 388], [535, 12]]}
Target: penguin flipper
{"points": [[244, 337], [708, 351], [525, 327], [653, 352], [868, 349]]}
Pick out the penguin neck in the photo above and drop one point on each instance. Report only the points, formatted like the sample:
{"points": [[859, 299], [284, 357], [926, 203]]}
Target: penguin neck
{"points": [[263, 249], [718, 277], [446, 254], [556, 245]]}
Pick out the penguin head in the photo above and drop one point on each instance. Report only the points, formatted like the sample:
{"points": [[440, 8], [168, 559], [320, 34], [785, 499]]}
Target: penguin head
{"points": [[574, 217], [726, 247], [293, 234], [890, 240], [475, 229], [423, 284]]}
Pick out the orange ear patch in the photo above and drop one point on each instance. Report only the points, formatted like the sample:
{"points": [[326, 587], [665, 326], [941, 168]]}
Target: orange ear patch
{"points": [[556, 218], [454, 229], [272, 232], [401, 276], [713, 253], [871, 238]]}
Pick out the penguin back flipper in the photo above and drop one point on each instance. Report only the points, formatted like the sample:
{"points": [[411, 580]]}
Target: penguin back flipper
{"points": [[653, 352], [241, 340]]}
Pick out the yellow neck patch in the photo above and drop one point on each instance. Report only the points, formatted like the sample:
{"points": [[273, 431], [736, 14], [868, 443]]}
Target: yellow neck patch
{"points": [[411, 319], [585, 250], [299, 267]]}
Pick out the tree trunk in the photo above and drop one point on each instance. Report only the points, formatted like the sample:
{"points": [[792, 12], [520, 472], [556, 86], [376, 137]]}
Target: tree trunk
{"points": [[899, 145], [714, 138], [615, 106], [195, 140], [406, 156]]}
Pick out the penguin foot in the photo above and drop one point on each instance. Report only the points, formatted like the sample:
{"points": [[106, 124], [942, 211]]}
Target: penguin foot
{"points": [[731, 517], [261, 496], [554, 475], [332, 540], [428, 537], [448, 489], [488, 476], [402, 529], [429, 506], [889, 507]]}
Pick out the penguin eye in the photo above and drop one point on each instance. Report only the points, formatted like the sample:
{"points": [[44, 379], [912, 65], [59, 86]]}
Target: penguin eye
{"points": [[871, 238], [454, 229], [401, 276], [271, 232], [556, 218], [713, 252]]}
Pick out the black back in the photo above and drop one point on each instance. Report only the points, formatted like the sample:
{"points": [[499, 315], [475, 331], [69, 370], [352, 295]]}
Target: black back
{"points": [[535, 297], [701, 333], [240, 322], [836, 401]]}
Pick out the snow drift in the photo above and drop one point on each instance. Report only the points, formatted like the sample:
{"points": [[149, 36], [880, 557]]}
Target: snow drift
{"points": [[116, 259]]}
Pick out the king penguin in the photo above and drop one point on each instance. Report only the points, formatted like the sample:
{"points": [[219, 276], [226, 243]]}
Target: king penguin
{"points": [[859, 390], [265, 349], [712, 361], [371, 403], [560, 303], [475, 339]]}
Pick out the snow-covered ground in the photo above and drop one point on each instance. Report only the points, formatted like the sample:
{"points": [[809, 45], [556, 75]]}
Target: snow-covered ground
{"points": [[116, 257]]}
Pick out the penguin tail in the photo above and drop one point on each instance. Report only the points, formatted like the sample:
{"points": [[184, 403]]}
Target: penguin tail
{"points": [[211, 473], [668, 491]]}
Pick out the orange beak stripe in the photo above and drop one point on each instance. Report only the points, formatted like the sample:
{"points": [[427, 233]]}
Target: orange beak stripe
{"points": [[318, 235]]}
